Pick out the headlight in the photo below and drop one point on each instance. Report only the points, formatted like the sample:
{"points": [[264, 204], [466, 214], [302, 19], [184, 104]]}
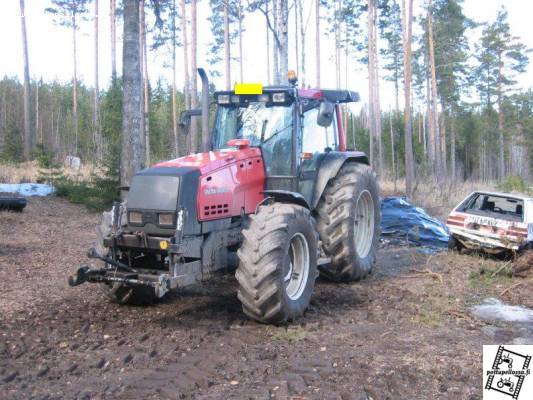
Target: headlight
{"points": [[278, 97], [135, 217], [235, 99], [165, 219], [223, 99], [263, 98]]}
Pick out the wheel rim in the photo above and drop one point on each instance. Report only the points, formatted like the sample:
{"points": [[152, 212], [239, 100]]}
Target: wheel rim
{"points": [[364, 224], [297, 268]]}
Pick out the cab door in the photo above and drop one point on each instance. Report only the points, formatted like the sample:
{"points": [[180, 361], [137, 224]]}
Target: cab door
{"points": [[316, 141]]}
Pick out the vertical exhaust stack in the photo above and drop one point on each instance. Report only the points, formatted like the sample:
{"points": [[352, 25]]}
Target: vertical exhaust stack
{"points": [[205, 110]]}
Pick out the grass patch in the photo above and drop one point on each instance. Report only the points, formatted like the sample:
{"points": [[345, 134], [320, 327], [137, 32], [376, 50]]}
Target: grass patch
{"points": [[290, 335], [489, 276]]}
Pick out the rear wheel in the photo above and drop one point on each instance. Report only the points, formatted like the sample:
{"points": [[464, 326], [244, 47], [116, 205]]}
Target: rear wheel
{"points": [[349, 223], [117, 292], [277, 268]]}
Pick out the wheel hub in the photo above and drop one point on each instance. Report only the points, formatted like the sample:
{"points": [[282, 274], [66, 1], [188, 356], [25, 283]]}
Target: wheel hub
{"points": [[296, 270]]}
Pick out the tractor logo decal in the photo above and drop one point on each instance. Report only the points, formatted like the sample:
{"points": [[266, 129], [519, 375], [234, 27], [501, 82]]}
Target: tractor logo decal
{"points": [[212, 190], [508, 373]]}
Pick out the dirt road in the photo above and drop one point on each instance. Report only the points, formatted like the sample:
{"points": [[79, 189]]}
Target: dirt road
{"points": [[401, 334]]}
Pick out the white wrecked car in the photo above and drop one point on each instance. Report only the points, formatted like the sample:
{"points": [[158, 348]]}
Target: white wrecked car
{"points": [[493, 222]]}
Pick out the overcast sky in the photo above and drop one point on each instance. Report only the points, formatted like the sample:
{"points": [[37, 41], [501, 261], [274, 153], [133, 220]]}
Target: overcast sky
{"points": [[50, 46]]}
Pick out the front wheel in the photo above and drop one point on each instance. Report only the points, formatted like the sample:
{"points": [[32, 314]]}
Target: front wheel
{"points": [[277, 268]]}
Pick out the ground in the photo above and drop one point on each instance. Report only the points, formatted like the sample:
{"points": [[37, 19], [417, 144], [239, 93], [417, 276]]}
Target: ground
{"points": [[406, 332]]}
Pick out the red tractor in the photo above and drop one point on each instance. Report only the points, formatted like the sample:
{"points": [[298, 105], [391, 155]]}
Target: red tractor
{"points": [[276, 185]]}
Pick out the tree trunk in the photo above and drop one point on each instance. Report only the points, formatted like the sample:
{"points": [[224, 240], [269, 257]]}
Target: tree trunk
{"points": [[267, 44], [37, 112], [28, 136], [437, 150], [275, 47], [407, 18], [317, 42], [131, 155], [75, 84], [174, 88], [194, 80], [113, 18], [393, 160], [227, 50], [141, 63], [146, 88], [501, 150], [186, 80], [296, 44], [302, 43], [241, 61], [96, 93], [452, 147]]}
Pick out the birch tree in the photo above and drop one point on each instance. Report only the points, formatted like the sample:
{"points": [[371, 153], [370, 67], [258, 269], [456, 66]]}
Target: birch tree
{"points": [[28, 135]]}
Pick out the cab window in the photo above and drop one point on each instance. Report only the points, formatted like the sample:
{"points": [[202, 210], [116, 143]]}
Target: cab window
{"points": [[316, 138]]}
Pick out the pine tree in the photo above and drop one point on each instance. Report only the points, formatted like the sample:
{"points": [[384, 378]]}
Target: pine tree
{"points": [[500, 57], [70, 13]]}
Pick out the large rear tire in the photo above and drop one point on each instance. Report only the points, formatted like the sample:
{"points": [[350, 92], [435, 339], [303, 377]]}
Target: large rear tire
{"points": [[277, 268], [117, 292], [348, 223]]}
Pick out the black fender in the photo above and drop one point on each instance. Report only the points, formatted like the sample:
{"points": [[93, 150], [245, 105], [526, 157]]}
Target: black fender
{"points": [[284, 196], [329, 168]]}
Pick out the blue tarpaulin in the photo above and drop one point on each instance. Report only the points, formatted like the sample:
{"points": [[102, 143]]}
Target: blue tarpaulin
{"points": [[402, 222]]}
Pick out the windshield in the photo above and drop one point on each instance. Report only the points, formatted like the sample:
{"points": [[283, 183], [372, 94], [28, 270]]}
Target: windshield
{"points": [[255, 122]]}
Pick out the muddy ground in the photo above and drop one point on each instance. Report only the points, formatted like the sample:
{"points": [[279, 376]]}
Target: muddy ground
{"points": [[404, 333]]}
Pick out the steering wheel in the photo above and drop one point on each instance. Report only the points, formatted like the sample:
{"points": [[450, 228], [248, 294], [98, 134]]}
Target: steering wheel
{"points": [[498, 209]]}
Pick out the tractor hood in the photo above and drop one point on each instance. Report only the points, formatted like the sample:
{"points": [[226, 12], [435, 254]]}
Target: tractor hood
{"points": [[212, 160]]}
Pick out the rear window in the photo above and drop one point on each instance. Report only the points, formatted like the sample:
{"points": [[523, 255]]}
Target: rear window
{"points": [[495, 207]]}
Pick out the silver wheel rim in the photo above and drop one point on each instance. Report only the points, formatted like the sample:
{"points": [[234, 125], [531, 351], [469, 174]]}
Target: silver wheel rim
{"points": [[364, 224], [297, 271]]}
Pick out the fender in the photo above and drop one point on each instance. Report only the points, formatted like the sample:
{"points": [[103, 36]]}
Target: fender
{"points": [[284, 196], [329, 168]]}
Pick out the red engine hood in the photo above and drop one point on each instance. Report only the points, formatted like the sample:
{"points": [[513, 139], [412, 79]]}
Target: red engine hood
{"points": [[212, 160]]}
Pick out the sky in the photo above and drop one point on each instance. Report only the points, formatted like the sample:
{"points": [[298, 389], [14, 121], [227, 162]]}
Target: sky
{"points": [[50, 46]]}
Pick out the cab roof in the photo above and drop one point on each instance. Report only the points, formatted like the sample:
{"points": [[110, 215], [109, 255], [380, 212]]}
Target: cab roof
{"points": [[332, 95]]}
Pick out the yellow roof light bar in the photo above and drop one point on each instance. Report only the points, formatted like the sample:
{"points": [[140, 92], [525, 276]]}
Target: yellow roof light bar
{"points": [[248, 88]]}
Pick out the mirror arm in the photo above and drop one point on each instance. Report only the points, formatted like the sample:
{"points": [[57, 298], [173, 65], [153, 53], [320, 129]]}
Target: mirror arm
{"points": [[186, 115]]}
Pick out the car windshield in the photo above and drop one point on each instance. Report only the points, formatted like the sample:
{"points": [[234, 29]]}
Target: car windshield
{"points": [[256, 122]]}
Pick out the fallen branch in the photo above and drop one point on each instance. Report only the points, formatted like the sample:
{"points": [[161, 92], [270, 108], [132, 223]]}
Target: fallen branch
{"points": [[427, 271], [505, 265], [460, 314], [511, 288]]}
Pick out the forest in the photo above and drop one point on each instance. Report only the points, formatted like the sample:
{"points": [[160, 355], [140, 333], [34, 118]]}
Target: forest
{"points": [[458, 113]]}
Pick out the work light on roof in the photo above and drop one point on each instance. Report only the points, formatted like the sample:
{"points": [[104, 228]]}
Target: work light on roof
{"points": [[223, 99], [278, 97]]}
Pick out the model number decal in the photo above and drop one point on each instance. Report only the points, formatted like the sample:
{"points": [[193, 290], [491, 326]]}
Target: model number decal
{"points": [[211, 191]]}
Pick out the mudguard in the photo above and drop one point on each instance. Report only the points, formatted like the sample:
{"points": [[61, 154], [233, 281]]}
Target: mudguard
{"points": [[285, 196], [329, 168]]}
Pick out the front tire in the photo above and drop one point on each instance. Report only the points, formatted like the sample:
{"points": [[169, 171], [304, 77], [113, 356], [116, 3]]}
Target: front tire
{"points": [[277, 268], [349, 223]]}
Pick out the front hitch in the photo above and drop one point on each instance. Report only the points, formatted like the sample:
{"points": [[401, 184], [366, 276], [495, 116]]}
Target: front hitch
{"points": [[85, 274]]}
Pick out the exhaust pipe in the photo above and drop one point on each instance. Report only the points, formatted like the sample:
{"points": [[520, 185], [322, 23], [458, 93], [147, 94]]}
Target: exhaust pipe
{"points": [[205, 110]]}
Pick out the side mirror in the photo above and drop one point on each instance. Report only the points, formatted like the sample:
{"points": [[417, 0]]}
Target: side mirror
{"points": [[184, 122], [325, 114], [185, 119]]}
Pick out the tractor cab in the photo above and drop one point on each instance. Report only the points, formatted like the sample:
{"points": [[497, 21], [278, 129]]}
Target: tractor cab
{"points": [[294, 129]]}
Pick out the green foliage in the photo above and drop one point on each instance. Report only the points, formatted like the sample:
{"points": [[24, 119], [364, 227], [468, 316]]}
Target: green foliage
{"points": [[515, 184], [12, 149]]}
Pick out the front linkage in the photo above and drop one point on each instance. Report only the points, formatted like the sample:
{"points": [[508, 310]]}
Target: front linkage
{"points": [[115, 272]]}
